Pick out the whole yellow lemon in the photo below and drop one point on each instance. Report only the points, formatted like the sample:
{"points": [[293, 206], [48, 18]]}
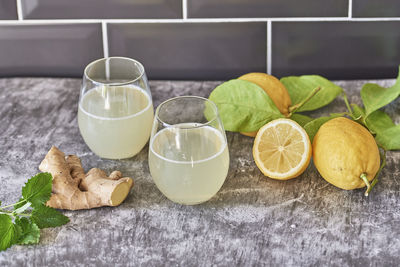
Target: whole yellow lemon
{"points": [[274, 89], [343, 150]]}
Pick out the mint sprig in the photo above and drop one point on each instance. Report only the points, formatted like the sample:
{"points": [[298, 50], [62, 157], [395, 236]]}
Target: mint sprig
{"points": [[20, 223]]}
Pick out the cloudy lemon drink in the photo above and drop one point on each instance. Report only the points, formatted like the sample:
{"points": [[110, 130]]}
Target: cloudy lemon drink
{"points": [[189, 165], [115, 122], [188, 157], [115, 111]]}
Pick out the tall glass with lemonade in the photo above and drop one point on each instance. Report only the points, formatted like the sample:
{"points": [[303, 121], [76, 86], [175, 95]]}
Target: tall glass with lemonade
{"points": [[188, 154], [115, 111]]}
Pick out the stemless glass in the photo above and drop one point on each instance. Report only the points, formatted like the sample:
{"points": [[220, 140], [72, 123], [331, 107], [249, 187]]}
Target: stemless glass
{"points": [[115, 111], [188, 155]]}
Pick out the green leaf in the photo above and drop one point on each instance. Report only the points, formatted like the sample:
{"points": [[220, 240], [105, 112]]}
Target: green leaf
{"points": [[301, 119], [30, 232], [45, 217], [374, 96], [389, 139], [9, 232], [38, 189], [299, 87], [313, 126], [387, 133], [379, 121], [243, 106], [358, 112], [21, 204]]}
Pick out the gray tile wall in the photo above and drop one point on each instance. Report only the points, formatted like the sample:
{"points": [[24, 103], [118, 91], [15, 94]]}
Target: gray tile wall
{"points": [[8, 9], [48, 50], [202, 39], [192, 51], [104, 9], [270, 8]]}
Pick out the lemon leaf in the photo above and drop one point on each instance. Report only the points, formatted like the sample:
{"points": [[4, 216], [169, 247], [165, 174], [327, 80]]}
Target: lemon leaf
{"points": [[301, 119], [379, 121], [389, 139], [313, 126], [243, 106], [374, 96], [387, 133], [299, 87], [358, 112]]}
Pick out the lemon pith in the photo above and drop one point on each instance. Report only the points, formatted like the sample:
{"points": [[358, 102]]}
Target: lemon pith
{"points": [[282, 149]]}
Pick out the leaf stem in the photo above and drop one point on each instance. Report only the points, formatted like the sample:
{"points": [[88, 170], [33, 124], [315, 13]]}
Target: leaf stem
{"points": [[19, 202], [383, 164], [363, 176], [346, 101], [12, 213], [295, 107]]}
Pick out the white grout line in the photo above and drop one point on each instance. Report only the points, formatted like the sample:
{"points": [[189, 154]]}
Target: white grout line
{"points": [[189, 20], [19, 10], [269, 47], [350, 15], [105, 38], [184, 9]]}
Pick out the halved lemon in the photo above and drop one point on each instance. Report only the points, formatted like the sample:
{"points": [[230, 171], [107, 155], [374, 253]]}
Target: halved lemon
{"points": [[282, 149]]}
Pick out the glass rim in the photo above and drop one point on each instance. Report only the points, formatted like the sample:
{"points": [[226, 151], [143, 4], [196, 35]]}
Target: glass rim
{"points": [[91, 64], [198, 124]]}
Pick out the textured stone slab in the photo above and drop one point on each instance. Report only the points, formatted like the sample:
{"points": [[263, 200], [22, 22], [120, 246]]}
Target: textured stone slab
{"points": [[252, 221]]}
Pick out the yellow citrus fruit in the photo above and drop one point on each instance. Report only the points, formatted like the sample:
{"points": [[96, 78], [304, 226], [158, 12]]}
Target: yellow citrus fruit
{"points": [[282, 149], [274, 89], [343, 150]]}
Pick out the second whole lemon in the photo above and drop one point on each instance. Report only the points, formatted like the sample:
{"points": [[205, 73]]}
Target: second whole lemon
{"points": [[343, 152], [274, 89]]}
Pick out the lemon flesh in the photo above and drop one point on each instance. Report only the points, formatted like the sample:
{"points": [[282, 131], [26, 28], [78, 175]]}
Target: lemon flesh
{"points": [[282, 149]]}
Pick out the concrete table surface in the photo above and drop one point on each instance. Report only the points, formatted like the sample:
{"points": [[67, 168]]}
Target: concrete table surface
{"points": [[252, 221]]}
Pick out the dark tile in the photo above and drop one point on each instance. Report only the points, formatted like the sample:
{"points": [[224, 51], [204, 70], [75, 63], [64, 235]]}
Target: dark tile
{"points": [[262, 8], [8, 9], [337, 50], [376, 8], [104, 9], [48, 50], [204, 51]]}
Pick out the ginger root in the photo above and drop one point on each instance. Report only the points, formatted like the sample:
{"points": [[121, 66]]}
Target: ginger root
{"points": [[75, 190]]}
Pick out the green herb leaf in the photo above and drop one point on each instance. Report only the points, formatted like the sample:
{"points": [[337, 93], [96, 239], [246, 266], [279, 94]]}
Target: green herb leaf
{"points": [[21, 202], [38, 189], [30, 232], [45, 217], [313, 126], [301, 119], [9, 232], [243, 106], [389, 139], [299, 87], [374, 96]]}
